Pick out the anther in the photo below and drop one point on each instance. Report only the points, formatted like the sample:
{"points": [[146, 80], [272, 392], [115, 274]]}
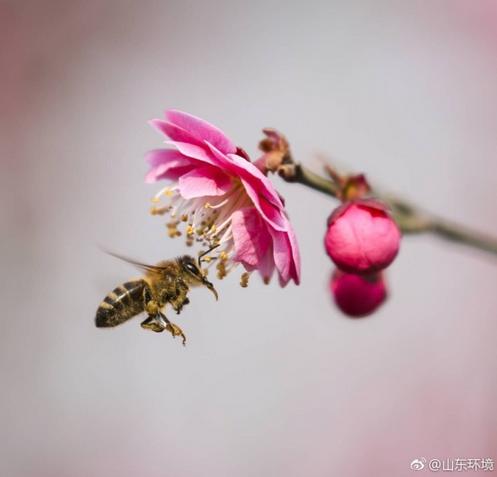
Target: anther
{"points": [[244, 279]]}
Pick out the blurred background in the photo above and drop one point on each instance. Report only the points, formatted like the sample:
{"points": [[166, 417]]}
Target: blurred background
{"points": [[273, 382]]}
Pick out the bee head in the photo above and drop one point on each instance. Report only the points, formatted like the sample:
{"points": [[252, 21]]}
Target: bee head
{"points": [[195, 274]]}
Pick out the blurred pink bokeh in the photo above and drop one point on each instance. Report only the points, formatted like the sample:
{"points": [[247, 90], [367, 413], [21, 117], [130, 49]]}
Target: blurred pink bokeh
{"points": [[273, 382]]}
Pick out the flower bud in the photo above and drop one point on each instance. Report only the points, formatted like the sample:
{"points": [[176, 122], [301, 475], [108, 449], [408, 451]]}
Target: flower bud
{"points": [[362, 237], [358, 295]]}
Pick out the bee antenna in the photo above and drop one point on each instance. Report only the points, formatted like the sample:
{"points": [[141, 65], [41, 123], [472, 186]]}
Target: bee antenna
{"points": [[203, 254]]}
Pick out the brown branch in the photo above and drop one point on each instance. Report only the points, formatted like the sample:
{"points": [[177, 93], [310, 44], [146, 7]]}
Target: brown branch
{"points": [[410, 218]]}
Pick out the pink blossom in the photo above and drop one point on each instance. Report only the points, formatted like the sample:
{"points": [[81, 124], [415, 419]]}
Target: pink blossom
{"points": [[362, 237], [358, 295], [222, 198]]}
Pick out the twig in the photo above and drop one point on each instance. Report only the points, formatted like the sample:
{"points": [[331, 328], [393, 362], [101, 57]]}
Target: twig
{"points": [[410, 218]]}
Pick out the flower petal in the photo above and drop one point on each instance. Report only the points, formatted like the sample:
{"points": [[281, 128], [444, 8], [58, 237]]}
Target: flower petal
{"points": [[258, 187], [204, 181], [157, 157], [275, 217], [165, 164], [174, 132], [255, 176], [266, 264], [250, 236], [295, 253], [201, 130], [239, 166], [284, 258], [196, 152]]}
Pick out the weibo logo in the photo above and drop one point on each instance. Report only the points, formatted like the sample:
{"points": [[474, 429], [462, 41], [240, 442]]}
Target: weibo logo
{"points": [[418, 464]]}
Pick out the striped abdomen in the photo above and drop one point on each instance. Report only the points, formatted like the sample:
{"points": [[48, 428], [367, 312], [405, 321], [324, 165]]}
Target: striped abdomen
{"points": [[121, 304]]}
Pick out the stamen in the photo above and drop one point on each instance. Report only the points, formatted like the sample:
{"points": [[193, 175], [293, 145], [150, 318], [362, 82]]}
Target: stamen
{"points": [[221, 265], [227, 235], [172, 229], [207, 205], [189, 230], [244, 279], [159, 210], [167, 191], [208, 224]]}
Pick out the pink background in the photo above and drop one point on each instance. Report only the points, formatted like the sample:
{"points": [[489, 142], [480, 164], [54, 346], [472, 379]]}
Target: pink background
{"points": [[273, 382]]}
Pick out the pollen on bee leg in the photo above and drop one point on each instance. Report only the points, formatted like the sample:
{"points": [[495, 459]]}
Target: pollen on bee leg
{"points": [[244, 279]]}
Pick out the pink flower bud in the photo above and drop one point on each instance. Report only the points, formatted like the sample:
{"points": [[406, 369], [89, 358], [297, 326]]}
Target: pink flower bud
{"points": [[362, 237], [358, 295]]}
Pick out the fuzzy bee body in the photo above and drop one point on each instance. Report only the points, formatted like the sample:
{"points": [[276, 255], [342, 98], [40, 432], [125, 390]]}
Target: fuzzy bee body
{"points": [[168, 282]]}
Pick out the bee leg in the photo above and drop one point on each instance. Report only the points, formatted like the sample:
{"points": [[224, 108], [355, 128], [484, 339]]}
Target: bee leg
{"points": [[179, 306], [152, 323], [174, 329], [181, 298]]}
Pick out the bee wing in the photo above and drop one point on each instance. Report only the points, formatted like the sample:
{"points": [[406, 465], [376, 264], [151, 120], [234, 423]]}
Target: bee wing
{"points": [[139, 265]]}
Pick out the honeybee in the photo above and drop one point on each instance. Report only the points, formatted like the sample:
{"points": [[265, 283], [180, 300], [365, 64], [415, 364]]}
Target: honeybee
{"points": [[168, 282]]}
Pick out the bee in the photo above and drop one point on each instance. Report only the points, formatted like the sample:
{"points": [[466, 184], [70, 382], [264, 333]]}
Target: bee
{"points": [[168, 282]]}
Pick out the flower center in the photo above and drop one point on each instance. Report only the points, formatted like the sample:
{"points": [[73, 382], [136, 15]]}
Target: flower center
{"points": [[207, 220]]}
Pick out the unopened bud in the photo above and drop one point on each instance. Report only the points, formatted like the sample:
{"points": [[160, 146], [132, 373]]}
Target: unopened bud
{"points": [[358, 295], [362, 237]]}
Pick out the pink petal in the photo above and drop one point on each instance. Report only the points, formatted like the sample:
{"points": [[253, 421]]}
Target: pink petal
{"points": [[166, 163], [253, 173], [295, 253], [275, 217], [239, 166], [250, 236], [258, 187], [201, 130], [266, 264], [196, 152], [163, 156], [175, 132], [204, 181], [284, 259], [163, 172]]}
